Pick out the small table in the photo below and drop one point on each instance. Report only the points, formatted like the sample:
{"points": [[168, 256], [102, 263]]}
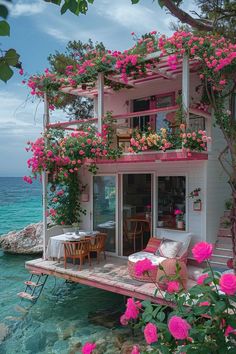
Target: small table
{"points": [[55, 248]]}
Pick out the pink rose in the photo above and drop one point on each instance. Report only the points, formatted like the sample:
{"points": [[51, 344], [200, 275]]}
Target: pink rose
{"points": [[135, 350], [123, 320], [150, 333], [204, 303], [178, 327], [173, 287], [88, 348], [228, 284], [132, 309], [143, 266], [200, 280], [229, 330], [202, 251]]}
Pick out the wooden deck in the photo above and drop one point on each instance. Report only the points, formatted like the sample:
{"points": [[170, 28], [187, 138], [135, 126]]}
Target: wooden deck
{"points": [[111, 275]]}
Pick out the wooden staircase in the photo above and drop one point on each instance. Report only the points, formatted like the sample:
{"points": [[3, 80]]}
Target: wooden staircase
{"points": [[223, 247], [33, 286]]}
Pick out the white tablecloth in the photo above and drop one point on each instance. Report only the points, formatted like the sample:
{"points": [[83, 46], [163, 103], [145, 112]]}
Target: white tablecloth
{"points": [[55, 247]]}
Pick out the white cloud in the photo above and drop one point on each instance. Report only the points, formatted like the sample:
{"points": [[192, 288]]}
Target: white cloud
{"points": [[27, 8], [131, 16]]}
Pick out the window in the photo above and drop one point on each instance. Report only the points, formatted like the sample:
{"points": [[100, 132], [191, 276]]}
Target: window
{"points": [[171, 197]]}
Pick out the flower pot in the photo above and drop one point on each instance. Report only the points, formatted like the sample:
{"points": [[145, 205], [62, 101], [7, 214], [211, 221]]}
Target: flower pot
{"points": [[180, 224]]}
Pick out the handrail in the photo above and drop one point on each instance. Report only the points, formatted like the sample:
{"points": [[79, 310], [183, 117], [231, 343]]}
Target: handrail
{"points": [[115, 117]]}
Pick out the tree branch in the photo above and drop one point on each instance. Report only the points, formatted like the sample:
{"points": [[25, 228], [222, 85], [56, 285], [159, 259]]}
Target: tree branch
{"points": [[184, 17]]}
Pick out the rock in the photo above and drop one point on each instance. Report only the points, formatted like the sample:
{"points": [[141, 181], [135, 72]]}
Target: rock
{"points": [[4, 331], [26, 241], [105, 318]]}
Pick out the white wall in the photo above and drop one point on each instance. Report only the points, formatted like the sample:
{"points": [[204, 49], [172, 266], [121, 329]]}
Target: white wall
{"points": [[195, 172]]}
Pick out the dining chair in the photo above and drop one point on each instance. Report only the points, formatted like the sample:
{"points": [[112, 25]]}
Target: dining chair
{"points": [[133, 230], [97, 245], [77, 250]]}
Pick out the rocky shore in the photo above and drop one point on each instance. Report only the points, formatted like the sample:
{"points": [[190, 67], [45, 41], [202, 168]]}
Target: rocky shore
{"points": [[26, 241]]}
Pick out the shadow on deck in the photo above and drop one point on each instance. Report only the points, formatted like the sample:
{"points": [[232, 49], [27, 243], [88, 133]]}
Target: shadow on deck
{"points": [[110, 275]]}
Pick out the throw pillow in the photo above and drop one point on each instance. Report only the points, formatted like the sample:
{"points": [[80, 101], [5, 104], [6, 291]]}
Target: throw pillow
{"points": [[153, 245], [169, 248]]}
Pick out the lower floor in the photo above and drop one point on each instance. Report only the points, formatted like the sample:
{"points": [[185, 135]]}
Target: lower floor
{"points": [[110, 275], [132, 202]]}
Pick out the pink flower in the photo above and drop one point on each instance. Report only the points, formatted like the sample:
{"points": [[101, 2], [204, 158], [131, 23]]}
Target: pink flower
{"points": [[143, 266], [150, 333], [204, 303], [178, 327], [135, 350], [123, 320], [132, 309], [202, 251], [173, 287], [178, 212], [229, 330], [200, 280], [88, 348], [21, 71], [228, 284]]}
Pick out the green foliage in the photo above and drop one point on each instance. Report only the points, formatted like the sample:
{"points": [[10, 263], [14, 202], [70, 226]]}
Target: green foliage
{"points": [[8, 58], [75, 6]]}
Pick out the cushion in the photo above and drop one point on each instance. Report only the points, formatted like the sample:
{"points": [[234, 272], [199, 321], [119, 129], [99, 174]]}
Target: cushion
{"points": [[140, 256], [153, 245], [184, 237], [169, 248]]}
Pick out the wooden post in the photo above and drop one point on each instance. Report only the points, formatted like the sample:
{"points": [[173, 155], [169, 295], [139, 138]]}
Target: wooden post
{"points": [[100, 85], [185, 88], [45, 178]]}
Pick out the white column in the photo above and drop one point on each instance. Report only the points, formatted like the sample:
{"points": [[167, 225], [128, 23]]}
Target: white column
{"points": [[45, 179], [100, 86], [185, 88]]}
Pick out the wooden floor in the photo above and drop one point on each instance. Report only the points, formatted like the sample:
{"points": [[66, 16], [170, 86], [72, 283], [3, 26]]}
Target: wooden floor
{"points": [[111, 275]]}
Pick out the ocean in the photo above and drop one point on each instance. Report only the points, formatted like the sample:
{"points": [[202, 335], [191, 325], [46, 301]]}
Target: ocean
{"points": [[63, 317], [20, 203]]}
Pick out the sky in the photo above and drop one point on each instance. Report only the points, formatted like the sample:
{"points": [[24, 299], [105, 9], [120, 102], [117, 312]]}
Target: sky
{"points": [[37, 30]]}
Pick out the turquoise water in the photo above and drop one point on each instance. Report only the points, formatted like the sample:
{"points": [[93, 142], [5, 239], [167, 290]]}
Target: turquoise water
{"points": [[60, 320], [20, 203]]}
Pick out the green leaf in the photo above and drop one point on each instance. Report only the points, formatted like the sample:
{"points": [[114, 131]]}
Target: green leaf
{"points": [[56, 2], [4, 28], [64, 7], [161, 3], [3, 11], [161, 316], [5, 72], [90, 1], [12, 57], [232, 321]]}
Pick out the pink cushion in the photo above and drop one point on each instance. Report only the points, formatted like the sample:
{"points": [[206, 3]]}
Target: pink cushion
{"points": [[153, 245]]}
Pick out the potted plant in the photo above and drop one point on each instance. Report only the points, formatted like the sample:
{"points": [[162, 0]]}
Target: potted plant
{"points": [[179, 216]]}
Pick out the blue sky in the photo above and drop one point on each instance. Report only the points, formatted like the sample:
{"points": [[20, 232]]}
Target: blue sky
{"points": [[38, 29]]}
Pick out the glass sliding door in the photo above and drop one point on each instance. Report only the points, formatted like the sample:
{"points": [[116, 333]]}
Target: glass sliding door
{"points": [[104, 208], [136, 211]]}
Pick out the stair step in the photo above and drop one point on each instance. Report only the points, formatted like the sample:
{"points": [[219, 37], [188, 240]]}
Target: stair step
{"points": [[227, 246], [26, 296], [221, 256], [224, 232], [32, 283], [36, 272], [224, 219], [223, 252], [220, 264], [227, 213], [225, 242]]}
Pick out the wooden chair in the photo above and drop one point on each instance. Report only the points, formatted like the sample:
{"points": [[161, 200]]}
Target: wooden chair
{"points": [[77, 250], [133, 229], [97, 245]]}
